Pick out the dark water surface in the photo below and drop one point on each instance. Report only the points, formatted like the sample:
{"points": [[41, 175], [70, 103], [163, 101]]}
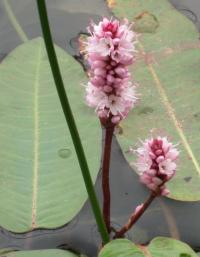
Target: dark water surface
{"points": [[165, 217]]}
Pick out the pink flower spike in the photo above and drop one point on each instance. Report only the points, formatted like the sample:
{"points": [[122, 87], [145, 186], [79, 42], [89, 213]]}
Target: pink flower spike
{"points": [[110, 50], [156, 163]]}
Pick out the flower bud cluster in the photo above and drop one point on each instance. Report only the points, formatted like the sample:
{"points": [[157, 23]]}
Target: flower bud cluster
{"points": [[110, 49], [157, 163]]}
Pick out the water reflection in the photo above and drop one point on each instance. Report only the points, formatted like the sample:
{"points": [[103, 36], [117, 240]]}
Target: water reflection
{"points": [[67, 19], [190, 8], [165, 217]]}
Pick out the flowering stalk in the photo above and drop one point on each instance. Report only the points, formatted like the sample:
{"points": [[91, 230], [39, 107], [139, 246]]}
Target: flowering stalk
{"points": [[70, 120], [157, 165], [110, 50], [105, 175]]}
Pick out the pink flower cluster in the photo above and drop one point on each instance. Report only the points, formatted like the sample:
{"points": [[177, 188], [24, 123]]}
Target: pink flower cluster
{"points": [[157, 163], [110, 49]]}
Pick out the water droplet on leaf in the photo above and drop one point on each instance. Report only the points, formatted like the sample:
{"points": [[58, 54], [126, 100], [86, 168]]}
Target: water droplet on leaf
{"points": [[64, 153]]}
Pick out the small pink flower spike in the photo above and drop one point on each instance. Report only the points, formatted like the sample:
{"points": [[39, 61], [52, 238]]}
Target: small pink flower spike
{"points": [[110, 50], [156, 163]]}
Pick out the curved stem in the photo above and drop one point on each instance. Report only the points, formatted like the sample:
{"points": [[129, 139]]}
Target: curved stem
{"points": [[105, 175], [70, 120], [135, 216], [14, 21]]}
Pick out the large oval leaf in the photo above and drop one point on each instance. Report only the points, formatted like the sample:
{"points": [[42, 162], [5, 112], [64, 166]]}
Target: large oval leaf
{"points": [[40, 253], [40, 180], [168, 73], [159, 247]]}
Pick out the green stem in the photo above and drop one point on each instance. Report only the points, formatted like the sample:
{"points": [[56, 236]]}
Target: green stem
{"points": [[70, 120], [14, 21]]}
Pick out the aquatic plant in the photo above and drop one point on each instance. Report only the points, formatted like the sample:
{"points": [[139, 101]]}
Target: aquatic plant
{"points": [[110, 51]]}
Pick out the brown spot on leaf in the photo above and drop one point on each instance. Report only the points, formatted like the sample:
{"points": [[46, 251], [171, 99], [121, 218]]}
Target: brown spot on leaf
{"points": [[168, 51], [146, 23], [111, 3], [149, 58], [82, 38]]}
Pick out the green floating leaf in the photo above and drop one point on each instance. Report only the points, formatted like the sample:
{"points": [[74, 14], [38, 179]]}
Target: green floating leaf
{"points": [[40, 180], [168, 247], [167, 70], [41, 253], [159, 247], [121, 248]]}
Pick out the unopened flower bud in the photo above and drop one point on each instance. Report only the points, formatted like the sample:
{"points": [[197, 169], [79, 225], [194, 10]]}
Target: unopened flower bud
{"points": [[155, 172]]}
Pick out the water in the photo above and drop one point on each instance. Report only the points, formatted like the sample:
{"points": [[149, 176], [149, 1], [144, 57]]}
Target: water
{"points": [[165, 217], [190, 8]]}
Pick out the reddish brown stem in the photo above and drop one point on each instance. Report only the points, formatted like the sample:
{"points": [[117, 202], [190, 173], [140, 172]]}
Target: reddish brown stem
{"points": [[105, 175], [136, 215]]}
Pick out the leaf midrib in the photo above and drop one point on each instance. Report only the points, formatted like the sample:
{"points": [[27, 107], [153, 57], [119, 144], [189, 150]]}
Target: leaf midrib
{"points": [[36, 138]]}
